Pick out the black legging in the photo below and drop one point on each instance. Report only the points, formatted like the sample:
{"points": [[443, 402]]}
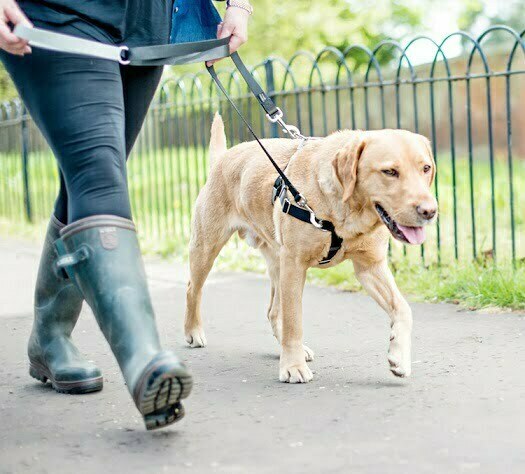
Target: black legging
{"points": [[90, 112]]}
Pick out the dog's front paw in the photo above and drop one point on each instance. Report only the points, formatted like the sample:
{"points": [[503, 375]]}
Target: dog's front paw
{"points": [[399, 356], [297, 373], [309, 354], [195, 337]]}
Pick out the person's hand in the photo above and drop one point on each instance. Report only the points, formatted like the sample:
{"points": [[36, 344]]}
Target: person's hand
{"points": [[10, 13], [235, 24]]}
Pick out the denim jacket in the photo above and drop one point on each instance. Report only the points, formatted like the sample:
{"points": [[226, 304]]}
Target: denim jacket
{"points": [[193, 20]]}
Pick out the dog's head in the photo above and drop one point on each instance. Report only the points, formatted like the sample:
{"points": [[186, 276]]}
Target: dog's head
{"points": [[390, 171]]}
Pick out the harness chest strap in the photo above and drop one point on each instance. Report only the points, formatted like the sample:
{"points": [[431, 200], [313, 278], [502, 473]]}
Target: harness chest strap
{"points": [[280, 192]]}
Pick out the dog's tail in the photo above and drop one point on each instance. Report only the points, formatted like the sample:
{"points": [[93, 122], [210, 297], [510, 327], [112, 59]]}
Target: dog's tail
{"points": [[218, 144]]}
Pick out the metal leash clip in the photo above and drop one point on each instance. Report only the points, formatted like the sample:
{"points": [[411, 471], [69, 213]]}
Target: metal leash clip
{"points": [[291, 130], [301, 202]]}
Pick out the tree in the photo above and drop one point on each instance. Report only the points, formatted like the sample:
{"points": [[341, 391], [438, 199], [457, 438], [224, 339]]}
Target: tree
{"points": [[285, 27], [480, 14]]}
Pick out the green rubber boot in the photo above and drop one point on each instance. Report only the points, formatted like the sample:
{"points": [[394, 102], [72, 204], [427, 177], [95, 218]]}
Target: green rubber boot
{"points": [[52, 354], [102, 254]]}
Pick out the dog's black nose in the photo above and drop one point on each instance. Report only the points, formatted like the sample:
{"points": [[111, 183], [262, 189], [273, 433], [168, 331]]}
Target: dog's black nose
{"points": [[426, 211]]}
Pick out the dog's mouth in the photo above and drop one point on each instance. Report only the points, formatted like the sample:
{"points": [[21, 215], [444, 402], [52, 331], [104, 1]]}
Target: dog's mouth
{"points": [[405, 234]]}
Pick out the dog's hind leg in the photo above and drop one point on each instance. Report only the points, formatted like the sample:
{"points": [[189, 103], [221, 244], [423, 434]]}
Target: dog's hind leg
{"points": [[210, 232], [272, 262], [274, 310]]}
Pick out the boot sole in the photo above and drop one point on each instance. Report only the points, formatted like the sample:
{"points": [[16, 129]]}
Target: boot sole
{"points": [[78, 387], [160, 389]]}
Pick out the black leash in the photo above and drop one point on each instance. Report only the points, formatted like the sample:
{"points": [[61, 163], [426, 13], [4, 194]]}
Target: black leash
{"points": [[267, 104], [185, 53]]}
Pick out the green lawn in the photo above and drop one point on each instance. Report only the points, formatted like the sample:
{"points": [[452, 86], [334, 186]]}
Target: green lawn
{"points": [[164, 184]]}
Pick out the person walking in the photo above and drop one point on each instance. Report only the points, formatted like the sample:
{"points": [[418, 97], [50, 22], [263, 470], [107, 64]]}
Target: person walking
{"points": [[91, 111]]}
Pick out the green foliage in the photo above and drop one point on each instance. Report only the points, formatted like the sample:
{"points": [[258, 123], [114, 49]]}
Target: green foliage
{"points": [[286, 27], [479, 14], [472, 9], [7, 89]]}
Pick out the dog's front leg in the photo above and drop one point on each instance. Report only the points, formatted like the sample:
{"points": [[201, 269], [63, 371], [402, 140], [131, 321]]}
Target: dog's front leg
{"points": [[378, 281], [293, 367]]}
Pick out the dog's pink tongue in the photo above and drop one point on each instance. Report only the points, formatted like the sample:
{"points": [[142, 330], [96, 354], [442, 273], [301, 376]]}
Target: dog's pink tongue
{"points": [[415, 235]]}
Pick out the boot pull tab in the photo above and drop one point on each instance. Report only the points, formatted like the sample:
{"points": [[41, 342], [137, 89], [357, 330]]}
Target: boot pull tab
{"points": [[71, 259]]}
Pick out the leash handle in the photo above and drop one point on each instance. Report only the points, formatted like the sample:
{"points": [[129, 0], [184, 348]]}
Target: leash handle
{"points": [[69, 44], [171, 54], [268, 106]]}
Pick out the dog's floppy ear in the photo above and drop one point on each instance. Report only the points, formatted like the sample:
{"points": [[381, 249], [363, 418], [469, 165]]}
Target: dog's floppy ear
{"points": [[428, 146], [345, 165]]}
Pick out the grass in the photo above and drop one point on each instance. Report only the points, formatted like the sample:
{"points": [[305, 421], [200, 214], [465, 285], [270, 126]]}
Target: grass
{"points": [[475, 285], [165, 182]]}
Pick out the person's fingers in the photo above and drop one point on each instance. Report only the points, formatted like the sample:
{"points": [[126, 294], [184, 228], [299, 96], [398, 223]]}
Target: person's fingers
{"points": [[226, 30], [11, 43], [16, 51], [19, 51], [7, 38], [219, 33], [223, 31], [239, 36], [15, 15], [236, 42]]}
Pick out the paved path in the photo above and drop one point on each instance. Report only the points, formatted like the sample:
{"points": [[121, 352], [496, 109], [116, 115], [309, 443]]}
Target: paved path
{"points": [[463, 410]]}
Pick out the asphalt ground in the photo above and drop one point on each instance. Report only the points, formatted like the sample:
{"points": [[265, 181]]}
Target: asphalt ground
{"points": [[462, 410]]}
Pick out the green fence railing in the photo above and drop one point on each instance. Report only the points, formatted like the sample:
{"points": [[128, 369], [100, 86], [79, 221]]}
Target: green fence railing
{"points": [[469, 105]]}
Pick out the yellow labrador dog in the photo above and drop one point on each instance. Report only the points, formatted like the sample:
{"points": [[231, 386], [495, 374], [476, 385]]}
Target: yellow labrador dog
{"points": [[368, 184]]}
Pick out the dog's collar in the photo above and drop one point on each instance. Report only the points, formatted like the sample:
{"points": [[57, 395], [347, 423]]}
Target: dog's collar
{"points": [[305, 214]]}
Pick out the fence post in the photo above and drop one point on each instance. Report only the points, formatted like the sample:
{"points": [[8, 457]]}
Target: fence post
{"points": [[270, 90], [25, 163]]}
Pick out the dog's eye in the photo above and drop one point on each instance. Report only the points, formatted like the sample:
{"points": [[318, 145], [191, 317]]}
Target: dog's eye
{"points": [[391, 172], [427, 168]]}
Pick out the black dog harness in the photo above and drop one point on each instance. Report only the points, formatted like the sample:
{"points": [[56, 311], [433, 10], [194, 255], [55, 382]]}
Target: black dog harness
{"points": [[304, 213], [186, 53], [307, 215]]}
